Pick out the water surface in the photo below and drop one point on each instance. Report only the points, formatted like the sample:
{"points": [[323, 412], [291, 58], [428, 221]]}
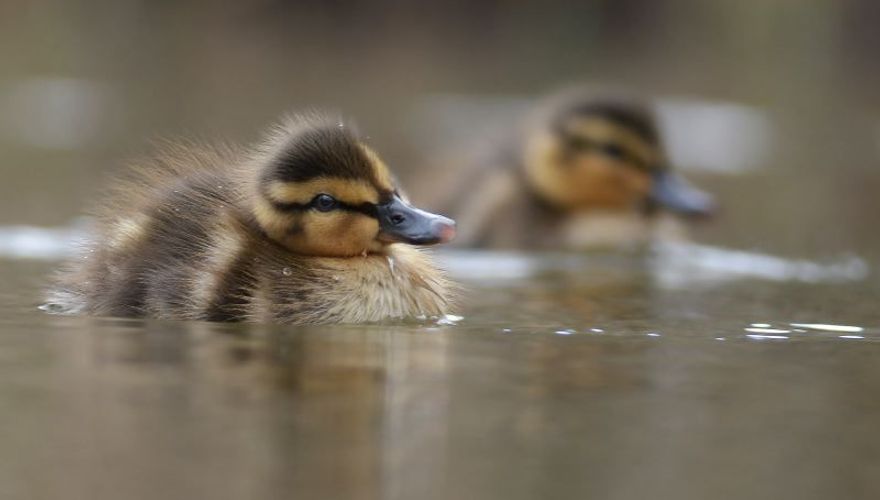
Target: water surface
{"points": [[568, 377]]}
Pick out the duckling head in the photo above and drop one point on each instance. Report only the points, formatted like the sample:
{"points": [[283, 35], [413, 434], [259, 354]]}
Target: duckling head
{"points": [[320, 191], [605, 154]]}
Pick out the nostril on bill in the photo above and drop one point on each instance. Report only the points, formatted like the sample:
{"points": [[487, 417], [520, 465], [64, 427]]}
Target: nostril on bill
{"points": [[397, 219]]}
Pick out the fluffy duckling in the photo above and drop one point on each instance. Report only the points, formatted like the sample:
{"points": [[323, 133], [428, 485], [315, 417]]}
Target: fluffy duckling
{"points": [[307, 227], [584, 173]]}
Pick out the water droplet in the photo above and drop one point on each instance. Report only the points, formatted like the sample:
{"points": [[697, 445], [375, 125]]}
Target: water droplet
{"points": [[449, 319], [286, 271], [652, 334], [336, 278], [761, 325], [506, 330], [852, 336], [51, 307], [390, 263], [597, 330]]}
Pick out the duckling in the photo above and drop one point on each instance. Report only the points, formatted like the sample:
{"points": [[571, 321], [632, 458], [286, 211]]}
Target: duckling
{"points": [[583, 173], [307, 227]]}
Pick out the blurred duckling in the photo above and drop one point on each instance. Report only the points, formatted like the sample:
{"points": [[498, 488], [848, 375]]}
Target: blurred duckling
{"points": [[584, 173], [308, 227]]}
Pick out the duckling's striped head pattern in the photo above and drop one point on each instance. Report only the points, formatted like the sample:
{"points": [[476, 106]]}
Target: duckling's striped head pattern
{"points": [[594, 154], [321, 191]]}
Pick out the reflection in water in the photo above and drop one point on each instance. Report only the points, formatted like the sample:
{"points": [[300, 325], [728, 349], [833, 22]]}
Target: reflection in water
{"points": [[766, 330], [755, 336], [336, 413], [829, 328]]}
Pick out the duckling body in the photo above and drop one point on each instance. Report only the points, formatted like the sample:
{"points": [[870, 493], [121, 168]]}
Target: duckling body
{"points": [[297, 230], [581, 173]]}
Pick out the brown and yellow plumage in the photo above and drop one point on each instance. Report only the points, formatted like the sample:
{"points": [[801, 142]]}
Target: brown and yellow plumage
{"points": [[308, 227], [581, 172]]}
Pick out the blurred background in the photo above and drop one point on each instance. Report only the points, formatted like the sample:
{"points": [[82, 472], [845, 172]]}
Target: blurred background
{"points": [[771, 105]]}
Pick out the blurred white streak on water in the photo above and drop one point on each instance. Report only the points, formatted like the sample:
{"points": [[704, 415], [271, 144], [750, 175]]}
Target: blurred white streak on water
{"points": [[767, 330], [679, 265], [41, 243], [487, 266], [829, 328], [673, 266], [767, 337]]}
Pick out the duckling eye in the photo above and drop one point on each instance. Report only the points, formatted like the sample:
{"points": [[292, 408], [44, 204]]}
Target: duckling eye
{"points": [[324, 203], [613, 151]]}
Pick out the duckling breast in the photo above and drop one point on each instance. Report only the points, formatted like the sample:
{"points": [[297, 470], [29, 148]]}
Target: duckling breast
{"points": [[402, 283]]}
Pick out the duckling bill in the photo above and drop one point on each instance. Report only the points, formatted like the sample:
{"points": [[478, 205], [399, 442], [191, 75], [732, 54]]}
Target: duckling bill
{"points": [[307, 227]]}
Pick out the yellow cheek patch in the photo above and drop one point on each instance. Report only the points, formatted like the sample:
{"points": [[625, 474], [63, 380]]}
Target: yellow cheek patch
{"points": [[351, 191], [595, 181], [383, 176], [335, 234], [272, 221]]}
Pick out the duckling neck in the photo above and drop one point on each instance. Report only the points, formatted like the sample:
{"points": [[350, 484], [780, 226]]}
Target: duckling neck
{"points": [[397, 283]]}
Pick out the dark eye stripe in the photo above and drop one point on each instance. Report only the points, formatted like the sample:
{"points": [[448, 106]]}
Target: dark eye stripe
{"points": [[288, 207], [610, 149], [366, 208]]}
